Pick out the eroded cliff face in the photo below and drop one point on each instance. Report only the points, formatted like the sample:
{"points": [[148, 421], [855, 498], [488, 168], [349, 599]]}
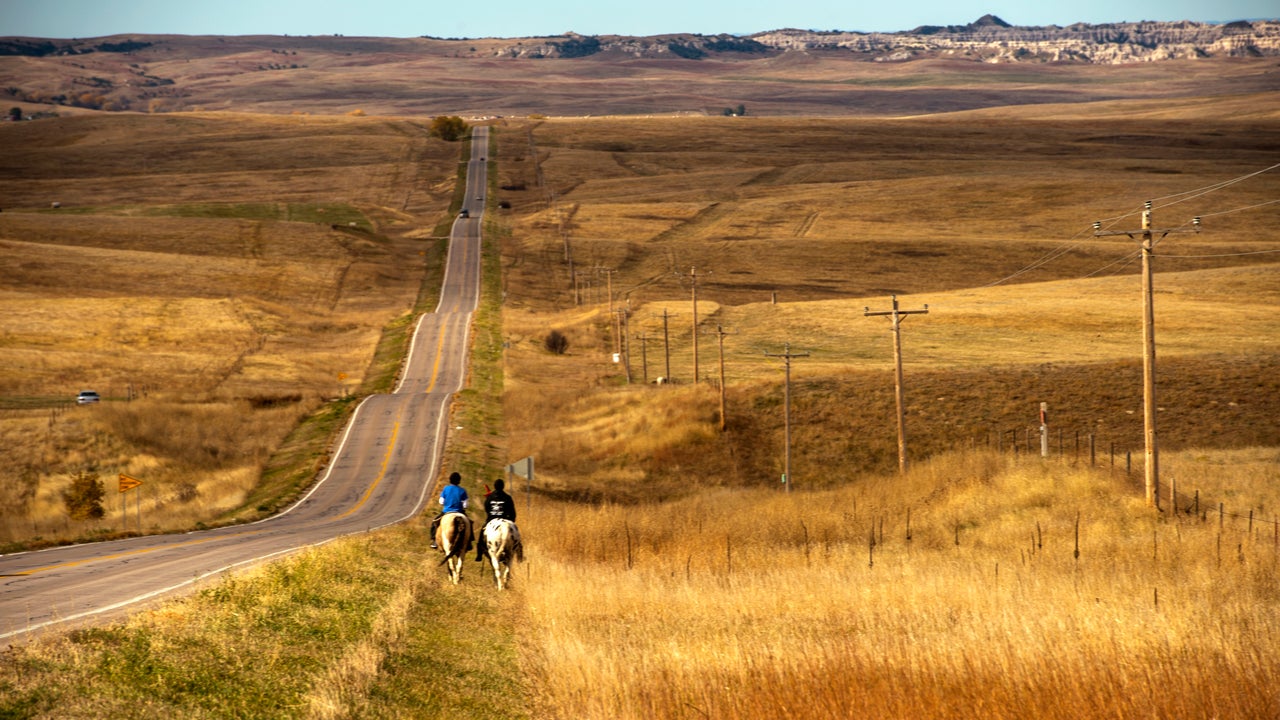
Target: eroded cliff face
{"points": [[987, 40], [1102, 44]]}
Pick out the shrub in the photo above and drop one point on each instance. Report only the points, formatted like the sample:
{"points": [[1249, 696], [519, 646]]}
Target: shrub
{"points": [[556, 342], [84, 498]]}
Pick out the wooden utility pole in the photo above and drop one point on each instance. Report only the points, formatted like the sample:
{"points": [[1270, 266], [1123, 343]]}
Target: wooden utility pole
{"points": [[1152, 470], [577, 286], [693, 277], [609, 276], [666, 343], [644, 357], [720, 331], [896, 315], [621, 324], [786, 356]]}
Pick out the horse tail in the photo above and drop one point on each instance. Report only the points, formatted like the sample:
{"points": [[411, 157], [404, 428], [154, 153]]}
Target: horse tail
{"points": [[457, 540]]}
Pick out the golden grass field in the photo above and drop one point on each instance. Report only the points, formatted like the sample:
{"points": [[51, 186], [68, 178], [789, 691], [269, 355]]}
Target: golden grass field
{"points": [[985, 582], [229, 273]]}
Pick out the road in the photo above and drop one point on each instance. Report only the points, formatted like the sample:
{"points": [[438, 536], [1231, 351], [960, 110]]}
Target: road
{"points": [[383, 472]]}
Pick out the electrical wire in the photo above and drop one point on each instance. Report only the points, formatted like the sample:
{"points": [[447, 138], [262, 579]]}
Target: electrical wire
{"points": [[1184, 196]]}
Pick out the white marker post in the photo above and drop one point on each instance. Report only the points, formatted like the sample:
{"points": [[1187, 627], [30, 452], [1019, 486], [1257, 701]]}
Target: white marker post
{"points": [[1044, 429]]}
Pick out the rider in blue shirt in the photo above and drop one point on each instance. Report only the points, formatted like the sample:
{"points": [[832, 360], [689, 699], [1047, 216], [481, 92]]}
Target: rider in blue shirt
{"points": [[452, 499]]}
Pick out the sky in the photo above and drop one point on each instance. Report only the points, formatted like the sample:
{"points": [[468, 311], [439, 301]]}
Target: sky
{"points": [[525, 18]]}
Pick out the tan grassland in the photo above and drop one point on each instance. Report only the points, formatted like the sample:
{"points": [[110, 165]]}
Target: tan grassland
{"points": [[939, 593], [669, 575], [215, 278]]}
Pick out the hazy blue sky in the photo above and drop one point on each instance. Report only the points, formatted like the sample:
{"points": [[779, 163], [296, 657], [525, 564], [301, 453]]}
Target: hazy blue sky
{"points": [[521, 18]]}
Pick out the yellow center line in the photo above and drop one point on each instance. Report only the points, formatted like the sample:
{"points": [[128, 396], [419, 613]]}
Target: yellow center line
{"points": [[435, 366], [386, 460], [116, 556]]}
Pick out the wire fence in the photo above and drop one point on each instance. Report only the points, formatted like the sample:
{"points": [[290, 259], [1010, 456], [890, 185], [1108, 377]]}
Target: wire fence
{"points": [[1077, 447]]}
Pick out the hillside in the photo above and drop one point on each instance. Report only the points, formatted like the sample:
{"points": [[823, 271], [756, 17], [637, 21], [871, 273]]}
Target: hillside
{"points": [[784, 72], [252, 275]]}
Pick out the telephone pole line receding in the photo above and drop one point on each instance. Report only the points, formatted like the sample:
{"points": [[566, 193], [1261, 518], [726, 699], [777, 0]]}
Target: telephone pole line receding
{"points": [[1152, 470], [786, 356], [897, 314]]}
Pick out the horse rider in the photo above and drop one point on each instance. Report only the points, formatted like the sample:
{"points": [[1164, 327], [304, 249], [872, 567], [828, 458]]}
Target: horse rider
{"points": [[453, 498], [497, 504]]}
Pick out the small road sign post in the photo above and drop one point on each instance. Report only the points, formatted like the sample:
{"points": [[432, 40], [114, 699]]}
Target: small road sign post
{"points": [[126, 484]]}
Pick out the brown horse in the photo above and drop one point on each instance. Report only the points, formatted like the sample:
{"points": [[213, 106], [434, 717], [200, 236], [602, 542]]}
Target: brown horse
{"points": [[502, 539], [452, 537]]}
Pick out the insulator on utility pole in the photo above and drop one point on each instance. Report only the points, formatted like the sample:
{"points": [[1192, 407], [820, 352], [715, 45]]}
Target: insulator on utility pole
{"points": [[721, 332], [786, 356], [1147, 234], [896, 314]]}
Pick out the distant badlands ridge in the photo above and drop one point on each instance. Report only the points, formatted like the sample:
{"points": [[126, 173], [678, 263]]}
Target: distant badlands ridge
{"points": [[988, 39]]}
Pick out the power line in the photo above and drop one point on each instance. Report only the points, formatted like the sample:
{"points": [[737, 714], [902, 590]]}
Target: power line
{"points": [[1240, 209], [1220, 255], [1079, 237]]}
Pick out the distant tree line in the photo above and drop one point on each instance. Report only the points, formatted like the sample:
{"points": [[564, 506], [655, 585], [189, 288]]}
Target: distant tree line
{"points": [[41, 48], [576, 47]]}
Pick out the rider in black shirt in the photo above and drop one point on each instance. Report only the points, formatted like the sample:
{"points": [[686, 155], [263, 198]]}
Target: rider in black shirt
{"points": [[497, 504]]}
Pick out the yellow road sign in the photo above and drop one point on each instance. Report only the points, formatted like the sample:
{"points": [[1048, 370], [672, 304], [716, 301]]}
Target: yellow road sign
{"points": [[128, 483]]}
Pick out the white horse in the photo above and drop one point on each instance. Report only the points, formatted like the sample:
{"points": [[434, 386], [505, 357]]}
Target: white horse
{"points": [[452, 537], [502, 539]]}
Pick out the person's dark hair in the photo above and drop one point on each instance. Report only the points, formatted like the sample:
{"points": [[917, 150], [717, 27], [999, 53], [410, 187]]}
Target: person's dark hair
{"points": [[499, 484], [455, 478]]}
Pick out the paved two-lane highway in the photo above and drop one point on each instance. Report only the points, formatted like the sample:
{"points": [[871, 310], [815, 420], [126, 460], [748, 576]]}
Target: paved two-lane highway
{"points": [[383, 472]]}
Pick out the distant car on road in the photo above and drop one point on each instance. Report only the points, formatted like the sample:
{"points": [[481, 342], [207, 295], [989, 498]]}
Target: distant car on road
{"points": [[465, 213], [87, 397]]}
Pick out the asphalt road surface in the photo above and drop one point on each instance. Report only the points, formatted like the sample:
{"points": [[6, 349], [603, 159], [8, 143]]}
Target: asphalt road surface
{"points": [[383, 472]]}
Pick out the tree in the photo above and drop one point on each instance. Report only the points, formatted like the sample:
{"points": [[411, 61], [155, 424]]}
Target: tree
{"points": [[15, 113], [83, 499], [448, 127]]}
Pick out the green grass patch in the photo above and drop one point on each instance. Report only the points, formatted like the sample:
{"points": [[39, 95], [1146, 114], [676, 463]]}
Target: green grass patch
{"points": [[458, 659], [251, 646], [329, 213]]}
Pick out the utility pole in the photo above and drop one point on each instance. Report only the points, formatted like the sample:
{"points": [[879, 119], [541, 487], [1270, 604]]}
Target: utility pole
{"points": [[787, 355], [621, 324], [693, 276], [720, 331], [666, 343], [644, 357], [1152, 470], [577, 286], [609, 276], [897, 373]]}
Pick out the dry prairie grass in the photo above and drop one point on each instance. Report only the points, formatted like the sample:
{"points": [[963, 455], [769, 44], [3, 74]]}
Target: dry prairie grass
{"points": [[952, 592], [478, 76], [984, 218], [847, 208], [235, 271]]}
